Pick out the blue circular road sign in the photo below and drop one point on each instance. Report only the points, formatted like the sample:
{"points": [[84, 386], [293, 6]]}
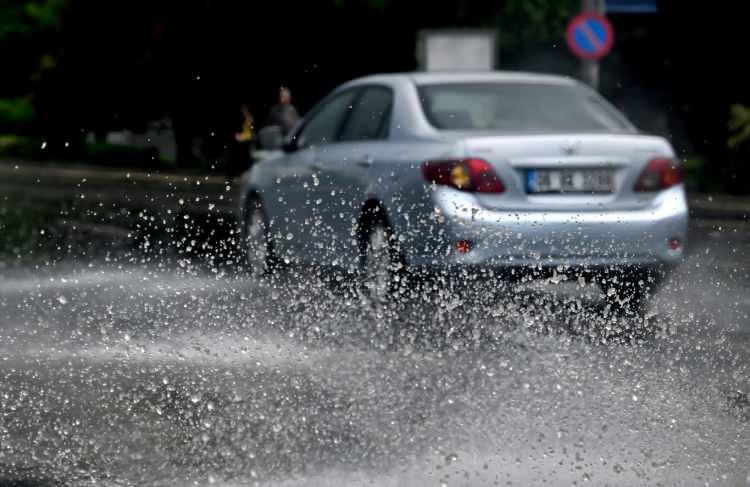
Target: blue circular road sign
{"points": [[590, 36]]}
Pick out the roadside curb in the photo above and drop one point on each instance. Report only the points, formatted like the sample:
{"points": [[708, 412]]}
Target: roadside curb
{"points": [[719, 207], [77, 170], [713, 214]]}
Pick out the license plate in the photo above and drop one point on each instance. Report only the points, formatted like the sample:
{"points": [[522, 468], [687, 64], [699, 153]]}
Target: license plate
{"points": [[569, 181]]}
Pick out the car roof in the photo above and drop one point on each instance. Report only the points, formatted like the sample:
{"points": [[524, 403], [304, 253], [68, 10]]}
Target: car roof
{"points": [[421, 78]]}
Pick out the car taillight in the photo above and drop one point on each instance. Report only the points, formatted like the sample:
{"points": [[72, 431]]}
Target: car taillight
{"points": [[660, 173], [472, 174]]}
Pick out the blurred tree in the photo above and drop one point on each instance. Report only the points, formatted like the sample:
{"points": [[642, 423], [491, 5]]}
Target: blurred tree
{"points": [[101, 66], [15, 114], [23, 19], [46, 14], [88, 65], [22, 27], [737, 168], [739, 125], [525, 23]]}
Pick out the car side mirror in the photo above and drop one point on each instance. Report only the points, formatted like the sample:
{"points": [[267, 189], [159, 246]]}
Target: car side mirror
{"points": [[293, 141], [270, 138], [291, 144]]}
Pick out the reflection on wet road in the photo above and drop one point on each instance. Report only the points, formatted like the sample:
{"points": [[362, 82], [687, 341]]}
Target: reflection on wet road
{"points": [[125, 373]]}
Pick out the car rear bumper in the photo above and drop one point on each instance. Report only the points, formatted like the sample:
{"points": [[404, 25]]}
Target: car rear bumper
{"points": [[547, 239]]}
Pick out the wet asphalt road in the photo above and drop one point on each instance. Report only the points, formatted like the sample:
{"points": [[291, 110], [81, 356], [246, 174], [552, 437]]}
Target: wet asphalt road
{"points": [[129, 368]]}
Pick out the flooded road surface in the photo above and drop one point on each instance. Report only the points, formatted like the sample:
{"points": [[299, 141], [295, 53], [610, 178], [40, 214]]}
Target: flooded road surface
{"points": [[132, 371]]}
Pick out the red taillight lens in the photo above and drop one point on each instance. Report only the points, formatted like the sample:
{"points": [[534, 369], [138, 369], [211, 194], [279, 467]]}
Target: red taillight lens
{"points": [[475, 175], [463, 246], [660, 173]]}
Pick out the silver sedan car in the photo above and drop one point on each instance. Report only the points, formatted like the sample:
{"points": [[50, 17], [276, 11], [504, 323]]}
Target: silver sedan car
{"points": [[488, 174]]}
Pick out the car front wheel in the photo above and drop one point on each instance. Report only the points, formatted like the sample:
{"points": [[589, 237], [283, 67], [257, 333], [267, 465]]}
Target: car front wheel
{"points": [[258, 247]]}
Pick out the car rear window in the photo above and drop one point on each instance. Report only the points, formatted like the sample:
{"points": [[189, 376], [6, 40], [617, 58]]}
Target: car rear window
{"points": [[518, 107]]}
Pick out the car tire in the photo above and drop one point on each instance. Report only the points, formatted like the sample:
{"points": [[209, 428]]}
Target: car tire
{"points": [[631, 290], [381, 269], [257, 244]]}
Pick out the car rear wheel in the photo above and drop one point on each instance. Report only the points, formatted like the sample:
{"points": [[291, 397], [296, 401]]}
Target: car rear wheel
{"points": [[258, 247], [631, 290], [381, 269]]}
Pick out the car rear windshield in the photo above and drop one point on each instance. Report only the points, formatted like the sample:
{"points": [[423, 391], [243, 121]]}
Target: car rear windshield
{"points": [[518, 107]]}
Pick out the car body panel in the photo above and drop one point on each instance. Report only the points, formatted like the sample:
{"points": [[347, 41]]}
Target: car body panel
{"points": [[560, 238], [314, 197]]}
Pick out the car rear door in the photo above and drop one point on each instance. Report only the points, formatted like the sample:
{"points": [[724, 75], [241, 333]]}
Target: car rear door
{"points": [[299, 178], [346, 171]]}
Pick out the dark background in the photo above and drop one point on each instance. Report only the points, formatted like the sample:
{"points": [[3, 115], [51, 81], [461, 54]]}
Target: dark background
{"points": [[79, 66]]}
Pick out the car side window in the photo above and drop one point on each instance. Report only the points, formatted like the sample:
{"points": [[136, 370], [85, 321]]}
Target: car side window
{"points": [[324, 125], [370, 116]]}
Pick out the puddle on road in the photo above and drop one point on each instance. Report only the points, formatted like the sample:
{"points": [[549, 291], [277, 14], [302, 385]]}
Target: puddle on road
{"points": [[145, 375]]}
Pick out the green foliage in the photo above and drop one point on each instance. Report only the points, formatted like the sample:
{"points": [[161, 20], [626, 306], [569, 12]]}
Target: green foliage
{"points": [[524, 22], [739, 125], [46, 14], [26, 26], [15, 112], [14, 21], [22, 147], [28, 18]]}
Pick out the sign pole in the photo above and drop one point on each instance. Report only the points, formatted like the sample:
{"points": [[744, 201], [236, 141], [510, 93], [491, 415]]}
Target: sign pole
{"points": [[590, 37], [590, 68]]}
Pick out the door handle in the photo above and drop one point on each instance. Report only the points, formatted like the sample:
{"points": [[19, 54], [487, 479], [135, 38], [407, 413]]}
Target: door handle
{"points": [[366, 161]]}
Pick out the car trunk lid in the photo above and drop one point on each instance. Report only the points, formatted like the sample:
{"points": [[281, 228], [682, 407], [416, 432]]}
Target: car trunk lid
{"points": [[615, 160]]}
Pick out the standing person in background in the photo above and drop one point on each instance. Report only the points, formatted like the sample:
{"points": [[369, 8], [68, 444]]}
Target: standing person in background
{"points": [[283, 114], [245, 135], [239, 152]]}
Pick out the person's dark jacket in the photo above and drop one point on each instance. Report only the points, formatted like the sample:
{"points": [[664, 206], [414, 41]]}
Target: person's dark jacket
{"points": [[285, 116]]}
